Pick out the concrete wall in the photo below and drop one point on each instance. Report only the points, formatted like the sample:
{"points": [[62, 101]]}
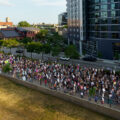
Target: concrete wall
{"points": [[84, 103], [28, 54]]}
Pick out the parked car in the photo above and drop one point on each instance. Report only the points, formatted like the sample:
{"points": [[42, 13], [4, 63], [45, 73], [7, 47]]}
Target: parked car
{"points": [[90, 58], [64, 58], [19, 51]]}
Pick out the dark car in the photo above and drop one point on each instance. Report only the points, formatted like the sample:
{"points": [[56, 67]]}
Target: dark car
{"points": [[90, 58], [19, 51]]}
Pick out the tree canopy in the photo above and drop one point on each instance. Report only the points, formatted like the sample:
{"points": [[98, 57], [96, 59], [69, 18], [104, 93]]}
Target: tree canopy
{"points": [[23, 24], [10, 43], [42, 35], [56, 50], [25, 41], [72, 52], [31, 47]]}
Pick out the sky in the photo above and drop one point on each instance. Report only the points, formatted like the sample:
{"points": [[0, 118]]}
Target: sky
{"points": [[33, 11]]}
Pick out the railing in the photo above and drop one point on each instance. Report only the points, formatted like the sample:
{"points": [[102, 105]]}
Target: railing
{"points": [[111, 103]]}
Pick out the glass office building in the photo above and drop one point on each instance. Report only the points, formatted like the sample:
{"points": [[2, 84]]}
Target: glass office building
{"points": [[62, 19], [101, 26]]}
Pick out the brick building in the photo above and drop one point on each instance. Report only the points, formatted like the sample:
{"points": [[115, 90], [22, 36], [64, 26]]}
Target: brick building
{"points": [[28, 31], [10, 33], [18, 33], [6, 24]]}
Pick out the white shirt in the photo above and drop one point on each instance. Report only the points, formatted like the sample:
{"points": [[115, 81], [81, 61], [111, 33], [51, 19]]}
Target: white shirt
{"points": [[24, 78]]}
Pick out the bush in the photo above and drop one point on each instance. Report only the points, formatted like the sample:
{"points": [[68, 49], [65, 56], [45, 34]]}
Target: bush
{"points": [[6, 68], [2, 52], [117, 57], [72, 52], [92, 91], [107, 71], [118, 72], [56, 51], [100, 55]]}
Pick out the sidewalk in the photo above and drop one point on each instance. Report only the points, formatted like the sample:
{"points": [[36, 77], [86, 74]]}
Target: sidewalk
{"points": [[101, 63]]}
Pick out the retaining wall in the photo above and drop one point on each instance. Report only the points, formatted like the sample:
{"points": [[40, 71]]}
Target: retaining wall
{"points": [[114, 113]]}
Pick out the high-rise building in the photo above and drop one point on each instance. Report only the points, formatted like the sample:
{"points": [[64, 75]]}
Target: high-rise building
{"points": [[97, 24], [62, 19], [76, 23]]}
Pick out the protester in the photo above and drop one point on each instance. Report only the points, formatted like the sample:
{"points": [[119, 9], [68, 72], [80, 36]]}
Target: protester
{"points": [[68, 78]]}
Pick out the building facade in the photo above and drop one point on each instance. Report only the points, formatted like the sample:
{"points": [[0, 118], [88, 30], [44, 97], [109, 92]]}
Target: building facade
{"points": [[101, 26], [6, 24], [62, 19], [18, 33], [76, 22], [29, 32], [10, 33]]}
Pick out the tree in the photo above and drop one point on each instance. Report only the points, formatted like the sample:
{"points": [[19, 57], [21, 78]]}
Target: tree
{"points": [[1, 43], [118, 72], [92, 91], [56, 40], [31, 47], [56, 50], [117, 57], [42, 35], [72, 52], [6, 68], [100, 55], [42, 48], [47, 48], [10, 43], [39, 47], [25, 41], [65, 26], [23, 24]]}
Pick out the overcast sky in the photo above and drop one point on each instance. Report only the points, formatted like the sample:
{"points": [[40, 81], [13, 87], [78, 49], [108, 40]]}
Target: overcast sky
{"points": [[33, 11]]}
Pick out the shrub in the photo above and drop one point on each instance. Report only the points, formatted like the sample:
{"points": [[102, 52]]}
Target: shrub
{"points": [[92, 91], [6, 68], [118, 72], [72, 52], [2, 52]]}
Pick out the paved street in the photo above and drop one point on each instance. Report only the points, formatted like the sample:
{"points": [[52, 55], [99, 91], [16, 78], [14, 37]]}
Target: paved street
{"points": [[108, 64]]}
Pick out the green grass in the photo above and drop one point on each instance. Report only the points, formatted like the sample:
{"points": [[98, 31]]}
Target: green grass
{"points": [[20, 103]]}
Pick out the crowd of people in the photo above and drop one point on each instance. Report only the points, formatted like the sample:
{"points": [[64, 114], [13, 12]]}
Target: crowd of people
{"points": [[97, 84]]}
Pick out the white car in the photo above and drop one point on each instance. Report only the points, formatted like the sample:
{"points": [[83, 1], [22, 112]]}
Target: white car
{"points": [[64, 58]]}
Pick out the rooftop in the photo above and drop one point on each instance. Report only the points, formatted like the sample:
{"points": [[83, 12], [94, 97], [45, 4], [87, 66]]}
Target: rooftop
{"points": [[10, 33], [28, 29], [6, 23]]}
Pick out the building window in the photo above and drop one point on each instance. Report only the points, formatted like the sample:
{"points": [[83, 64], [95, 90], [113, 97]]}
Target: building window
{"points": [[115, 21], [104, 35], [104, 28], [104, 14], [115, 35]]}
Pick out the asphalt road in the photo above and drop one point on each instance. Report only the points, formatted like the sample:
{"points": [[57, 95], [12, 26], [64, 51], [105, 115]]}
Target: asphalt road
{"points": [[99, 64]]}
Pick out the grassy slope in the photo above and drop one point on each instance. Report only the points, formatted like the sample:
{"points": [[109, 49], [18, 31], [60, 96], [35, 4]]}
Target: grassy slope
{"points": [[20, 103]]}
